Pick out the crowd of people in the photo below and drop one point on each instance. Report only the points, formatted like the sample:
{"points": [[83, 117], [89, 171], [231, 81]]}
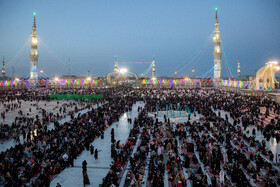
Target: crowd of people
{"points": [[39, 159], [213, 150], [24, 124], [216, 145]]}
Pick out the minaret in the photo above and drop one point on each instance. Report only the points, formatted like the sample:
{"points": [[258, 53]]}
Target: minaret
{"points": [[217, 49], [3, 68], [238, 67], [116, 65], [34, 53], [154, 69]]}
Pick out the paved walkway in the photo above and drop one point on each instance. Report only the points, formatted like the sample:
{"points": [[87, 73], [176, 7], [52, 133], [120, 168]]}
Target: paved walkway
{"points": [[97, 169], [7, 144], [49, 106]]}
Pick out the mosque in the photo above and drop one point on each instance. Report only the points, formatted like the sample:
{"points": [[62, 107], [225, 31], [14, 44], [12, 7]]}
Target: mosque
{"points": [[118, 73], [35, 74], [264, 79]]}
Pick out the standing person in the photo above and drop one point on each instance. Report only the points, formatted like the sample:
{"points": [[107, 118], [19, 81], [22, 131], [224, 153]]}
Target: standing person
{"points": [[113, 133], [71, 160], [96, 154], [87, 145], [85, 175], [91, 149], [84, 166]]}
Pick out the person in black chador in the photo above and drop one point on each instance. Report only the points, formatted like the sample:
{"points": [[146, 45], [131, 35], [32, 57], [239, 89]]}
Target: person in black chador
{"points": [[113, 135], [85, 175], [84, 166], [91, 149], [96, 154]]}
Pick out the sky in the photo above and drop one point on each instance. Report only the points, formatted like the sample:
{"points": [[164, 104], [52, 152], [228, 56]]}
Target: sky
{"points": [[176, 33]]}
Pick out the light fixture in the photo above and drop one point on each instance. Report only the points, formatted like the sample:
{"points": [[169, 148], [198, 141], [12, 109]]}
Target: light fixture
{"points": [[123, 70]]}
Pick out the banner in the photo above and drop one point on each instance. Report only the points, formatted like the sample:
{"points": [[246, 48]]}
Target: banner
{"points": [[75, 96]]}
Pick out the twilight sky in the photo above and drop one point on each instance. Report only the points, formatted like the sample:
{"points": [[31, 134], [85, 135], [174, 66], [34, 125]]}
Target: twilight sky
{"points": [[177, 33]]}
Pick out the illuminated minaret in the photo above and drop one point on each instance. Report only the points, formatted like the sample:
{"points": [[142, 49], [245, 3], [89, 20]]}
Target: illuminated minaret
{"points": [[217, 49], [116, 65], [238, 68], [154, 69], [3, 68], [34, 53]]}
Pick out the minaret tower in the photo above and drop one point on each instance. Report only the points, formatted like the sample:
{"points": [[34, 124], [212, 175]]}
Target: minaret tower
{"points": [[116, 65], [238, 68], [34, 52], [154, 69], [217, 49], [3, 68]]}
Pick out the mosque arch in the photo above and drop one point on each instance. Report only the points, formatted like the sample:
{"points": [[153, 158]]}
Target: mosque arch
{"points": [[117, 74], [265, 77]]}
